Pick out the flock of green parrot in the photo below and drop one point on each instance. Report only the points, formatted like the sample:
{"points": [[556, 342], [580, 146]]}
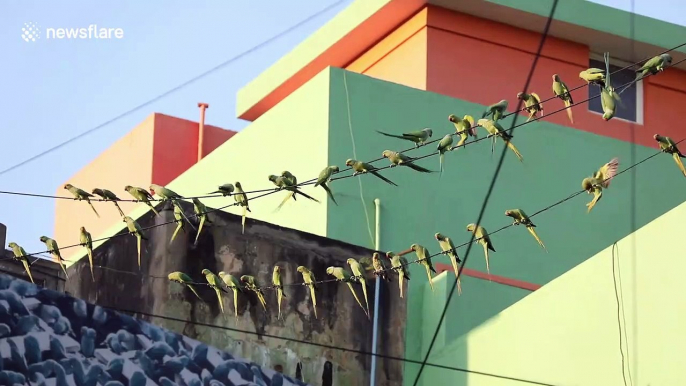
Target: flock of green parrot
{"points": [[465, 128]]}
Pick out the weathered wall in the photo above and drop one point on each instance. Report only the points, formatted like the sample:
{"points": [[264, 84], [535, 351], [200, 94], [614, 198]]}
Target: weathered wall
{"points": [[341, 322], [46, 273], [568, 332], [48, 338]]}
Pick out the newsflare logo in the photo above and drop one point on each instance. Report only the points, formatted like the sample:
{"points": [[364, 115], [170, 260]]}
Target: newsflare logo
{"points": [[31, 32]]}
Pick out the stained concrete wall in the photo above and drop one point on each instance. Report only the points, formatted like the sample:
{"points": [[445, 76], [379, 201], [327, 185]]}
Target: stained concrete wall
{"points": [[221, 246]]}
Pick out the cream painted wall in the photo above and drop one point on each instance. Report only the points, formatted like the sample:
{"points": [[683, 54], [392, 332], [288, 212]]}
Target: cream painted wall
{"points": [[567, 332]]}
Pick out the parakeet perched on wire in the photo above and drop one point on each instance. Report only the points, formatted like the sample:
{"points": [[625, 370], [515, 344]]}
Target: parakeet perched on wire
{"points": [[201, 212], [424, 258], [561, 91], [185, 280], [399, 264], [80, 194], [358, 272], [600, 180], [141, 195], [608, 95], [242, 200], [278, 285], [169, 195], [520, 217], [288, 182], [215, 283], [445, 144], [418, 137], [448, 248], [137, 231], [668, 146], [310, 281], [55, 252], [235, 285], [180, 222], [497, 110], [87, 241], [225, 190], [464, 127], [324, 179], [342, 275], [397, 158], [108, 195], [654, 65], [360, 167], [532, 104], [251, 283], [495, 130], [380, 268], [593, 76], [21, 255], [484, 239]]}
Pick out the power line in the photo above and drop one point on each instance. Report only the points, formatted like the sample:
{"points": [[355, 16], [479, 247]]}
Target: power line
{"points": [[177, 88], [327, 346], [490, 190]]}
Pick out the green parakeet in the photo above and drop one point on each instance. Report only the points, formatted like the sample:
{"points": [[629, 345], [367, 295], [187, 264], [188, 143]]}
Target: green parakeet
{"points": [[21, 255], [251, 283], [55, 252], [235, 286], [216, 283], [561, 91], [360, 167], [358, 271], [136, 230], [141, 195], [169, 195], [87, 242], [108, 195], [342, 275], [668, 146], [532, 104], [276, 281], [200, 211], [445, 144], [418, 137], [608, 95], [600, 180], [399, 264], [225, 190], [464, 127], [185, 280], [593, 75], [497, 110], [521, 218], [380, 268], [397, 158], [448, 248], [484, 239], [423, 257], [654, 65], [180, 222], [242, 200], [495, 130], [80, 194], [288, 182], [310, 281], [325, 178]]}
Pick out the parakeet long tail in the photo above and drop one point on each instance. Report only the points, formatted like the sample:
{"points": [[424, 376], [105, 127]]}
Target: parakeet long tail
{"points": [[121, 212], [488, 268], [314, 300], [219, 296], [59, 260], [138, 239], [417, 167], [235, 304], [260, 297], [352, 289], [92, 207], [514, 149], [243, 219], [680, 164], [176, 203], [202, 222], [178, 227], [288, 196], [440, 161], [190, 287], [596, 198], [459, 288], [382, 177], [363, 283], [279, 296], [153, 209], [568, 105], [428, 273], [28, 269], [329, 192], [304, 195], [538, 239], [90, 261], [401, 276]]}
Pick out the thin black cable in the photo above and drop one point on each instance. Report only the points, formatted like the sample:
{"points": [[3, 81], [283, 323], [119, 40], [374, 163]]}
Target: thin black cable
{"points": [[619, 319], [490, 188], [327, 346], [171, 91]]}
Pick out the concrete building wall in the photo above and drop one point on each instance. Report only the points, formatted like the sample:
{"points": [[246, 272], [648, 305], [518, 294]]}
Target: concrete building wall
{"points": [[156, 151], [222, 247], [568, 332]]}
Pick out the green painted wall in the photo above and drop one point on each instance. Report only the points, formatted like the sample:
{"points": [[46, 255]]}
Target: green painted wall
{"points": [[567, 332]]}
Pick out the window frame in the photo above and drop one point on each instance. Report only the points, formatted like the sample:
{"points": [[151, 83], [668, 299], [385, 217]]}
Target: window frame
{"points": [[639, 90]]}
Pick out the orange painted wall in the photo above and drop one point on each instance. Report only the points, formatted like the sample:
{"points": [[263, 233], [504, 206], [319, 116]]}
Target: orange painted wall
{"points": [[481, 61], [157, 151]]}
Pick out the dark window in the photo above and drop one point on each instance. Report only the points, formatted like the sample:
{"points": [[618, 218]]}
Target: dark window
{"points": [[627, 109]]}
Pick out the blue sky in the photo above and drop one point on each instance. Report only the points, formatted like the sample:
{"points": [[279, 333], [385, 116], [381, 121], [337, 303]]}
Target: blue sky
{"points": [[57, 89]]}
